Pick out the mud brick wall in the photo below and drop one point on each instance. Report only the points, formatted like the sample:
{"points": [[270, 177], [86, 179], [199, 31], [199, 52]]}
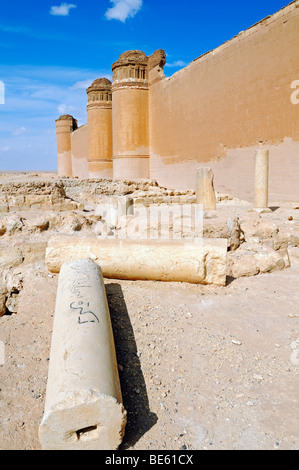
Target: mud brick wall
{"points": [[224, 105]]}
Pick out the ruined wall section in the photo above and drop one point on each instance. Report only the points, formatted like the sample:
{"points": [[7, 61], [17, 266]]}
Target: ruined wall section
{"points": [[225, 104]]}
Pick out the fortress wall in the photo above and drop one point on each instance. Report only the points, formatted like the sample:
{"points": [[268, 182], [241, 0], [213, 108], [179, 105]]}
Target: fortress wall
{"points": [[220, 108], [79, 139]]}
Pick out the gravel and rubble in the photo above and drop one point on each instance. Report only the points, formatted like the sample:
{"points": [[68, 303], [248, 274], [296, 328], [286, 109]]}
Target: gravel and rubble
{"points": [[201, 367]]}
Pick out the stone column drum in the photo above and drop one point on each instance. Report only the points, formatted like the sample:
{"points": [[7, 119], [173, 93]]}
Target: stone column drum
{"points": [[99, 122], [83, 409], [130, 112], [205, 193], [201, 261], [65, 125], [261, 179]]}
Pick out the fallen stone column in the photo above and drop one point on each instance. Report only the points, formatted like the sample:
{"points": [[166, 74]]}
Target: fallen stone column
{"points": [[201, 261], [83, 409], [205, 193]]}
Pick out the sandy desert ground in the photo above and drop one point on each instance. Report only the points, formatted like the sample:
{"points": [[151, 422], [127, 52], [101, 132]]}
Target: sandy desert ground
{"points": [[201, 366]]}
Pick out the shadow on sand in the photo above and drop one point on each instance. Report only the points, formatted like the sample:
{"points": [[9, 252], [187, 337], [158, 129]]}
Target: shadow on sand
{"points": [[139, 417]]}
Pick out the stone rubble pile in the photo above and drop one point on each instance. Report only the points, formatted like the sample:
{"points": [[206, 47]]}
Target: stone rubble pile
{"points": [[32, 210]]}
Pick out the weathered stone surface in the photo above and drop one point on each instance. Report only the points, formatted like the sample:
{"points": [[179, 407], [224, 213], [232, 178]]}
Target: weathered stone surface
{"points": [[288, 235], [258, 228], [3, 294], [83, 409], [10, 257], [261, 179], [14, 224], [252, 259], [11, 281], [38, 194], [220, 227], [133, 57], [72, 223], [12, 302], [2, 227], [40, 223], [201, 261], [34, 252], [4, 207], [205, 193], [278, 236], [19, 189]]}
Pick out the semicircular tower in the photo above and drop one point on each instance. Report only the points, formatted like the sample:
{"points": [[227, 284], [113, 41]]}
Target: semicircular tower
{"points": [[99, 121], [65, 125], [130, 92]]}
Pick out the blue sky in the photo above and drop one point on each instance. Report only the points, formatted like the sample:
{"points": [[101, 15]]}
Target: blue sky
{"points": [[50, 51]]}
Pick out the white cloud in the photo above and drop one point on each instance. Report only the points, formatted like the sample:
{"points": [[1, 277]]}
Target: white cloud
{"points": [[123, 9], [176, 63], [62, 10], [84, 84], [65, 109], [19, 131], [36, 96]]}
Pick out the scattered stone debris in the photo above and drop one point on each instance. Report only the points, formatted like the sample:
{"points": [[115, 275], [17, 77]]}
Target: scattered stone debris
{"points": [[241, 356]]}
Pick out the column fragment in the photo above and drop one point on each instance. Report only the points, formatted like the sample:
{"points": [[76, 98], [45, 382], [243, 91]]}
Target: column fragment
{"points": [[261, 179], [205, 193], [83, 409], [201, 261]]}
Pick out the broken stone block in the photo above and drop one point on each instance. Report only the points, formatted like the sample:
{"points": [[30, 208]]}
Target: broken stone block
{"points": [[3, 295], [4, 207], [259, 229], [2, 227], [14, 224], [38, 199], [228, 228], [34, 252], [241, 263], [12, 302], [10, 257], [39, 224], [252, 259], [289, 235]]}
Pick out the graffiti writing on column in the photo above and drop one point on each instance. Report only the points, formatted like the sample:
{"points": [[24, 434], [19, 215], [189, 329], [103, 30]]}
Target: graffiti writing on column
{"points": [[85, 315], [82, 281]]}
